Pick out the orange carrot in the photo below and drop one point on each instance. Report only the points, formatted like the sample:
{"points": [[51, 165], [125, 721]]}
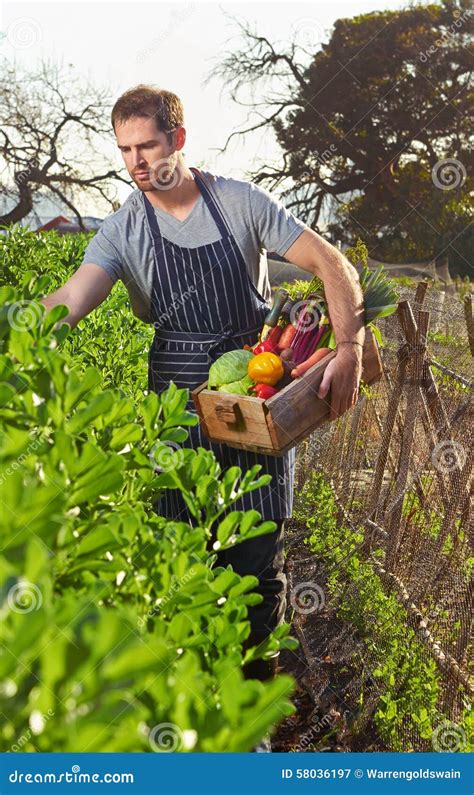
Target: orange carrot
{"points": [[287, 337], [313, 359]]}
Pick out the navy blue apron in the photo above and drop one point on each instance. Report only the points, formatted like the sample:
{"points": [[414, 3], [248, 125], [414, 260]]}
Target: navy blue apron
{"points": [[203, 304]]}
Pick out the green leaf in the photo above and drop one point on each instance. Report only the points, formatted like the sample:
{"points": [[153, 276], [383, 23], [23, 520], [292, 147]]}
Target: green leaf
{"points": [[375, 312], [250, 519], [98, 406], [105, 476], [139, 657], [180, 627], [377, 334], [53, 316], [247, 583], [126, 434], [174, 435], [7, 393], [100, 539], [241, 387], [224, 581], [228, 525], [79, 385]]}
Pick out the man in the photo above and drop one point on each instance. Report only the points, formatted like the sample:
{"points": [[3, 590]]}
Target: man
{"points": [[188, 245]]}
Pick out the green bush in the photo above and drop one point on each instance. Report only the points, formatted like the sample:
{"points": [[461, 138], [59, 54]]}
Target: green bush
{"points": [[119, 631]]}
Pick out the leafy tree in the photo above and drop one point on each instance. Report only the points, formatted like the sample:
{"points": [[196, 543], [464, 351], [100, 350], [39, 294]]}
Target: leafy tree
{"points": [[55, 130], [365, 125]]}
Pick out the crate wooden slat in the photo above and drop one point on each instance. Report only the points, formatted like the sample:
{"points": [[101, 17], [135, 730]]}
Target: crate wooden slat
{"points": [[276, 425]]}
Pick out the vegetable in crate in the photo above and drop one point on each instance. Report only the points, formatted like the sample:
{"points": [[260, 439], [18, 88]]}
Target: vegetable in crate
{"points": [[380, 298], [313, 359], [264, 391], [229, 373], [286, 337], [289, 365], [270, 343], [242, 387], [266, 368], [308, 330], [271, 320]]}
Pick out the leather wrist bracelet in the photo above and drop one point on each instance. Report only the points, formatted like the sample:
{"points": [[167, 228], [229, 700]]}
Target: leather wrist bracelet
{"points": [[350, 342]]}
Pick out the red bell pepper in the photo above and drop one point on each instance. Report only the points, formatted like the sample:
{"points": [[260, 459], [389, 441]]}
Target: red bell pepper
{"points": [[269, 345], [264, 391]]}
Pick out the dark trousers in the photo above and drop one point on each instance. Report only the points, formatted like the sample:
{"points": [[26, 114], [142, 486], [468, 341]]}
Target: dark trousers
{"points": [[264, 558]]}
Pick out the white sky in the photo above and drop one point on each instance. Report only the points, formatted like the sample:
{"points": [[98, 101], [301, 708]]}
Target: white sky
{"points": [[175, 46]]}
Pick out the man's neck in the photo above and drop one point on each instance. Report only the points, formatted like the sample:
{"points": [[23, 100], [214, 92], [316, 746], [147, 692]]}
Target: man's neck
{"points": [[182, 193]]}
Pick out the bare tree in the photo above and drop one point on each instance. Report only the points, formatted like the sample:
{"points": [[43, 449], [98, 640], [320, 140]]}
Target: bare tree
{"points": [[54, 138], [276, 82]]}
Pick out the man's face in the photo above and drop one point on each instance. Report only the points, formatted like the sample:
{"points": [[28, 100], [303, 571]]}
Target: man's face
{"points": [[149, 159]]}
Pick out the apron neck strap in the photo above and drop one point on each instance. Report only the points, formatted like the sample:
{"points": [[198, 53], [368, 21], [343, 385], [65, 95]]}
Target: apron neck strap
{"points": [[210, 203]]}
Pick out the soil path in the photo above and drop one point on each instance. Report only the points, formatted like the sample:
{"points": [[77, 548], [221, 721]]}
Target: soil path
{"points": [[327, 665]]}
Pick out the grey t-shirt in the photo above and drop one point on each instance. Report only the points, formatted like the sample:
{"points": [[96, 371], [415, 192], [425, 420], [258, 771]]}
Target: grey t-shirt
{"points": [[258, 221]]}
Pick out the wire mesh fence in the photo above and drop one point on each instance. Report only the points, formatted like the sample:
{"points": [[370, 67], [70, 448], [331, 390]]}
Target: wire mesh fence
{"points": [[400, 465]]}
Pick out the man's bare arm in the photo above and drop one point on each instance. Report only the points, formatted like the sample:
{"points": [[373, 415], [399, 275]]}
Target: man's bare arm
{"points": [[346, 306], [341, 284], [83, 292]]}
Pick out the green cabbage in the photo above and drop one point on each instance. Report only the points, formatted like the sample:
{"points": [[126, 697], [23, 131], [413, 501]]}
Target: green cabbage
{"points": [[241, 387], [229, 368]]}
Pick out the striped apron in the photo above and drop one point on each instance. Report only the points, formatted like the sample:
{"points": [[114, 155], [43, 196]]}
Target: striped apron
{"points": [[203, 304]]}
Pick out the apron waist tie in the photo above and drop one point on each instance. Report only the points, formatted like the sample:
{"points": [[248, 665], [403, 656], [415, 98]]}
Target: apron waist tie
{"points": [[213, 341]]}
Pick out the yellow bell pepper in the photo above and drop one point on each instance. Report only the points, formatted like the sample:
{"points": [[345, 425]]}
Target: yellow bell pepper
{"points": [[266, 368]]}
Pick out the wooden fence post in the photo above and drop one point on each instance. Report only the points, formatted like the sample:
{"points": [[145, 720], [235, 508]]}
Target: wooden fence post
{"points": [[392, 411], [416, 335], [469, 321]]}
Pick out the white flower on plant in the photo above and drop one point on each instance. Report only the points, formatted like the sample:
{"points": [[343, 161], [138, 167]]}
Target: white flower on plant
{"points": [[36, 721]]}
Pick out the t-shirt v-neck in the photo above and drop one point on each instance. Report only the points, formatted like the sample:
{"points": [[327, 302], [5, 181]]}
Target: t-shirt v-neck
{"points": [[197, 229], [168, 217]]}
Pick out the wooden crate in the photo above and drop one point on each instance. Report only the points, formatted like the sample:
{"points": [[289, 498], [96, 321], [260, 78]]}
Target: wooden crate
{"points": [[276, 425]]}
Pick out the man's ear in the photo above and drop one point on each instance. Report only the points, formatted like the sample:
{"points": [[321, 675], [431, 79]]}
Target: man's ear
{"points": [[180, 138]]}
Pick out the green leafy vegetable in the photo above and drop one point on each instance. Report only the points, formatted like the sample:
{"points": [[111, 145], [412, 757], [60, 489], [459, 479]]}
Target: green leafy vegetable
{"points": [[300, 289], [380, 298], [228, 368], [241, 387]]}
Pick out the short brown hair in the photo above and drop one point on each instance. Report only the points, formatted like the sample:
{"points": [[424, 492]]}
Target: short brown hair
{"points": [[144, 100]]}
